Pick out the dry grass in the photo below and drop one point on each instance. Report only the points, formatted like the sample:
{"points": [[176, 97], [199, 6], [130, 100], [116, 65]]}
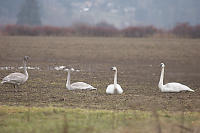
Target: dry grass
{"points": [[64, 120]]}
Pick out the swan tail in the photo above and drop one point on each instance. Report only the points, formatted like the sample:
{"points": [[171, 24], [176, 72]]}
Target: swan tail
{"points": [[191, 90], [2, 82], [93, 88]]}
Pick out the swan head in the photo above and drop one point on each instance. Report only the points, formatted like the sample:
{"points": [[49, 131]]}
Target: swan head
{"points": [[69, 70], [26, 58], [72, 69], [162, 65], [114, 69]]}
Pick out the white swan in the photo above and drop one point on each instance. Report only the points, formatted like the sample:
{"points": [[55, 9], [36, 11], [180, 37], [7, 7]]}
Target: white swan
{"points": [[17, 78], [171, 87], [114, 88], [77, 85]]}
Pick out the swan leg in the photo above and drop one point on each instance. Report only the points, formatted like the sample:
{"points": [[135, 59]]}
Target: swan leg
{"points": [[15, 86], [18, 89]]}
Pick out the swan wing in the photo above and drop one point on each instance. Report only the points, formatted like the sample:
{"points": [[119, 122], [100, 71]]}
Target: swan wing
{"points": [[110, 89], [15, 78], [176, 87], [119, 89], [82, 86]]}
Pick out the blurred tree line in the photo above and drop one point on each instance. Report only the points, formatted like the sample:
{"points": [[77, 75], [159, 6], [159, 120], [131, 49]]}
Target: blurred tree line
{"points": [[183, 30]]}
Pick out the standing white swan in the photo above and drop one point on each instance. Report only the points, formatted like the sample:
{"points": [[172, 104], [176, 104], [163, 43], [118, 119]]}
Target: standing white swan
{"points": [[114, 88], [77, 85], [171, 87], [17, 78]]}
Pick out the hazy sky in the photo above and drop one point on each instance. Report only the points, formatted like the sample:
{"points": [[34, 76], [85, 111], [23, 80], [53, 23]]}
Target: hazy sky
{"points": [[121, 13]]}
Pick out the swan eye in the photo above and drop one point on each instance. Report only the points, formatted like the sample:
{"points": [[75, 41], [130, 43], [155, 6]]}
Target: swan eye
{"points": [[26, 58], [162, 65], [113, 68]]}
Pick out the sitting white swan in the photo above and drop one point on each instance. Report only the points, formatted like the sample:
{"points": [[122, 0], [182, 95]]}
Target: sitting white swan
{"points": [[17, 78], [171, 87], [114, 88], [77, 85]]}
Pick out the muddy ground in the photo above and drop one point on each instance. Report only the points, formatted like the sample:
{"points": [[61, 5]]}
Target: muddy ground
{"points": [[137, 61]]}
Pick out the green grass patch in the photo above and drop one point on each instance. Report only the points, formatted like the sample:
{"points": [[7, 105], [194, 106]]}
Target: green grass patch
{"points": [[67, 120]]}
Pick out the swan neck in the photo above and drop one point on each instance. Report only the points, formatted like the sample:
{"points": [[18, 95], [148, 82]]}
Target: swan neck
{"points": [[68, 80], [25, 69], [115, 79], [161, 78]]}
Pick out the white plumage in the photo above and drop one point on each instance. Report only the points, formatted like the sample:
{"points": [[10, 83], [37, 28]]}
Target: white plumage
{"points": [[171, 87], [77, 85], [82, 86], [114, 88], [17, 78], [110, 89]]}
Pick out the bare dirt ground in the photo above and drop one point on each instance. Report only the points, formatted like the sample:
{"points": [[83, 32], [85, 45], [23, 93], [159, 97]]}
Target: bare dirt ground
{"points": [[137, 61]]}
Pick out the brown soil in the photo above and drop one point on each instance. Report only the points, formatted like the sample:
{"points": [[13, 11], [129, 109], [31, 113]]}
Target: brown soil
{"points": [[137, 61]]}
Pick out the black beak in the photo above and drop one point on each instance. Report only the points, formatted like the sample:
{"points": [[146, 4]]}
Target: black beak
{"points": [[26, 58]]}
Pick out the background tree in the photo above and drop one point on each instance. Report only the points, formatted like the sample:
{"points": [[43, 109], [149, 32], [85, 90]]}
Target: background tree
{"points": [[29, 14]]}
